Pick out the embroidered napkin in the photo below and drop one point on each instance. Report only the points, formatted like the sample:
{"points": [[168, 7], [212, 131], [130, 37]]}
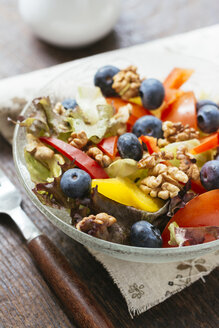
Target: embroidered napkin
{"points": [[143, 285]]}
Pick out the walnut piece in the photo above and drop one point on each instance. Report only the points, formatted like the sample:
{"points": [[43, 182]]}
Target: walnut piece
{"points": [[59, 109], [78, 140], [127, 82], [174, 132], [97, 225], [43, 153], [187, 163], [162, 142], [38, 149], [149, 161], [123, 113], [163, 181], [97, 154]]}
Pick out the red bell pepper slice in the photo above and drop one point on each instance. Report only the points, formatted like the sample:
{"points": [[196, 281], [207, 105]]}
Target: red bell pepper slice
{"points": [[151, 144], [81, 159], [182, 110], [202, 210], [177, 77], [132, 119], [207, 143], [109, 146]]}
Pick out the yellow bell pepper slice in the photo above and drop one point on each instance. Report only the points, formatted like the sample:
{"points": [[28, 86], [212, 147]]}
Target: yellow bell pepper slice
{"points": [[124, 191], [136, 100]]}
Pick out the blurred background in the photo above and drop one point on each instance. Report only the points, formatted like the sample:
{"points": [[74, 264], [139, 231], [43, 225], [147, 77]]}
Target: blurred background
{"points": [[136, 21]]}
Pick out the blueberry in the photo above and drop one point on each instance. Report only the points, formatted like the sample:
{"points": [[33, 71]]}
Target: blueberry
{"points": [[75, 183], [209, 175], [204, 102], [152, 93], [144, 234], [104, 79], [129, 146], [69, 103], [208, 118], [148, 125]]}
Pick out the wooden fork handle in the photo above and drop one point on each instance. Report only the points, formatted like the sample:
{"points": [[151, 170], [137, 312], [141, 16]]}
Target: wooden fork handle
{"points": [[70, 290]]}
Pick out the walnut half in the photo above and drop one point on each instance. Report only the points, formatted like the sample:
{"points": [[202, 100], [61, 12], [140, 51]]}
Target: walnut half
{"points": [[174, 132], [97, 225], [127, 82], [78, 140], [187, 163], [163, 181], [97, 154], [38, 149]]}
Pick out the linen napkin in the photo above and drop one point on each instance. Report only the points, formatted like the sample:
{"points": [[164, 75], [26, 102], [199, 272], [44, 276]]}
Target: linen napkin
{"points": [[143, 285]]}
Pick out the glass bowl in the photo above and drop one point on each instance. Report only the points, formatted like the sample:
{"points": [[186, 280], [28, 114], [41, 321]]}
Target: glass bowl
{"points": [[150, 63]]}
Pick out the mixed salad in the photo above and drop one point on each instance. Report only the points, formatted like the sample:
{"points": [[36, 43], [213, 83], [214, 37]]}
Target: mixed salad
{"points": [[134, 161]]}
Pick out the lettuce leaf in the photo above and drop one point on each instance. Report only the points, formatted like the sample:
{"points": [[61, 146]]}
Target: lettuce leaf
{"points": [[122, 168], [191, 235], [36, 124], [118, 121], [38, 171], [56, 123], [44, 171], [55, 165], [50, 194], [88, 100], [96, 131]]}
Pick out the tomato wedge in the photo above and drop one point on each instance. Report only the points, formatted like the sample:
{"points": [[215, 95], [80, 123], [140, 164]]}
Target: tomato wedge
{"points": [[177, 77], [182, 110], [202, 210], [109, 146], [207, 143], [81, 159]]}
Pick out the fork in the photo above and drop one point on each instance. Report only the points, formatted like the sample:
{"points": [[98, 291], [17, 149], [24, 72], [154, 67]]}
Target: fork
{"points": [[68, 287]]}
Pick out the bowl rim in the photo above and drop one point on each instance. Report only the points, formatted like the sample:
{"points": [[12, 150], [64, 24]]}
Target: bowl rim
{"points": [[100, 243]]}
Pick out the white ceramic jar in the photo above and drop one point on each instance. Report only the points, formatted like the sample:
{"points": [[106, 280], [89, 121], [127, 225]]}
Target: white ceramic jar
{"points": [[70, 23]]}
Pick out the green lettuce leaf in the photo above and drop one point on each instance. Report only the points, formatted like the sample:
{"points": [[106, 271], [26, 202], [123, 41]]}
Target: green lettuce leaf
{"points": [[122, 168], [36, 124], [56, 123], [38, 171], [44, 171], [95, 132], [55, 165], [88, 100], [118, 121]]}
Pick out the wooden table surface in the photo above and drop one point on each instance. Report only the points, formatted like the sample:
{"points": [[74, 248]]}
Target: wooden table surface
{"points": [[25, 299]]}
